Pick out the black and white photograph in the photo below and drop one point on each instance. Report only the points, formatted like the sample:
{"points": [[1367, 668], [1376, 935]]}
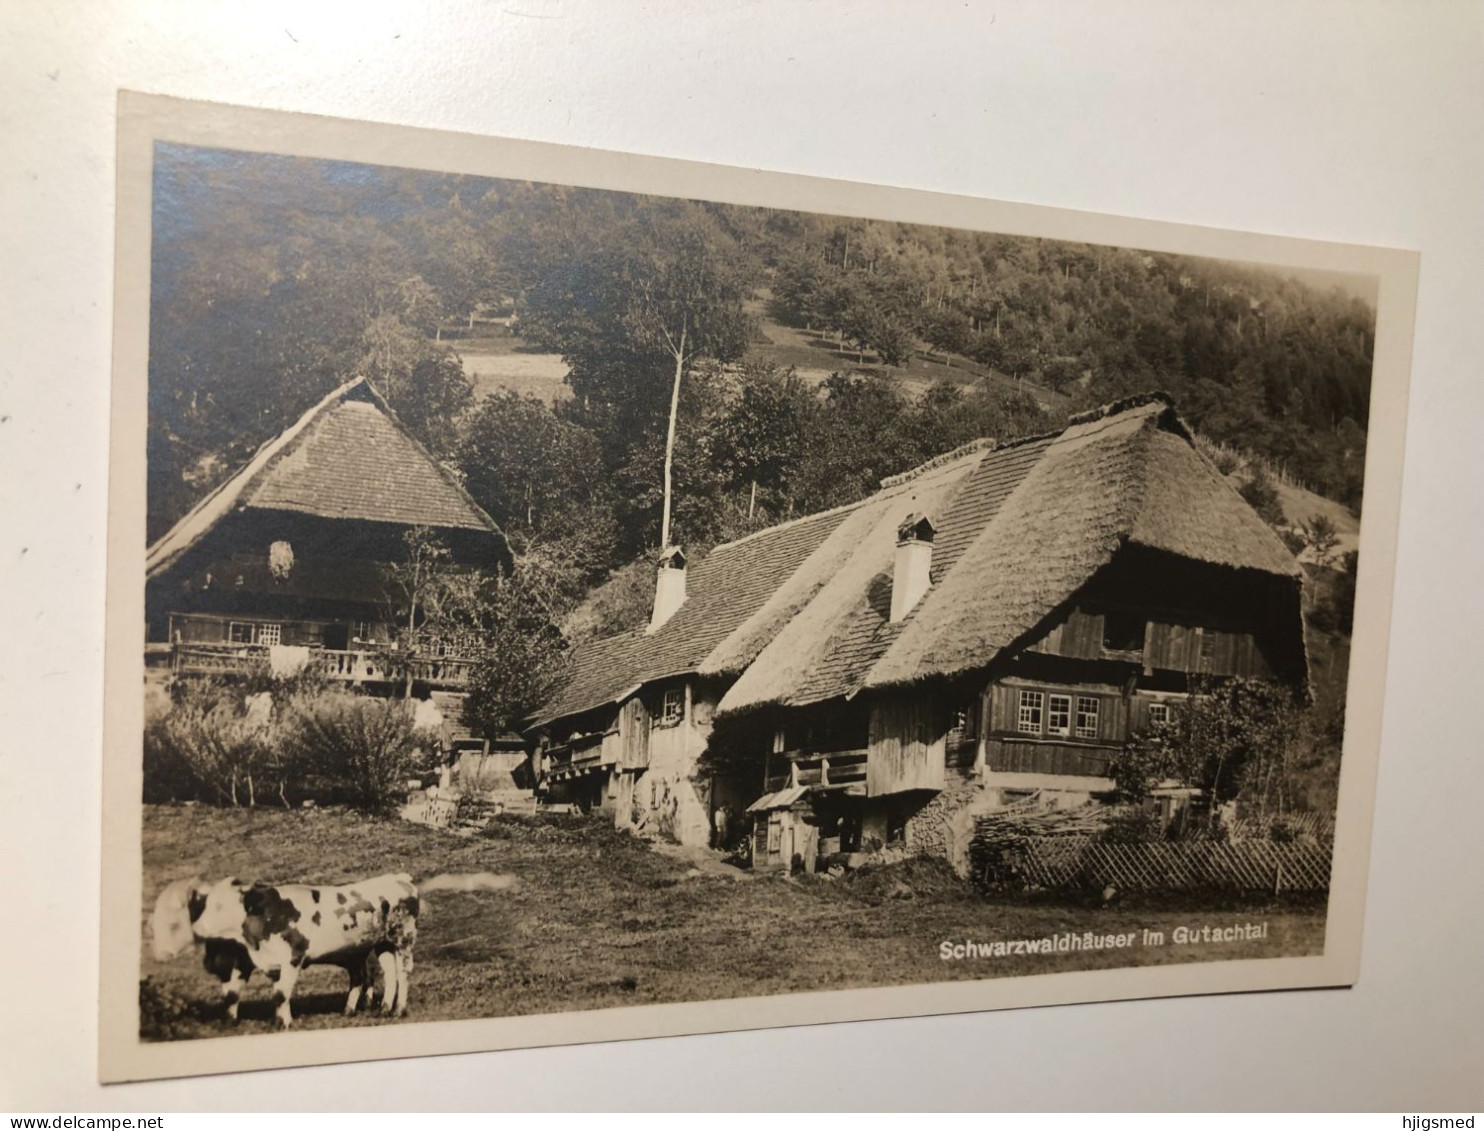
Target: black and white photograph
{"points": [[571, 598]]}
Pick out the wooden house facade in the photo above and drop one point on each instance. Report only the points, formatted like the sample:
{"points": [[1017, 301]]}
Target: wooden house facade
{"points": [[992, 624], [285, 562]]}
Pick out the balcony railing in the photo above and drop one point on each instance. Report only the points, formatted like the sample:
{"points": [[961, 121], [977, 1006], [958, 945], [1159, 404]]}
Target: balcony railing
{"points": [[571, 759], [342, 666], [219, 659], [837, 770]]}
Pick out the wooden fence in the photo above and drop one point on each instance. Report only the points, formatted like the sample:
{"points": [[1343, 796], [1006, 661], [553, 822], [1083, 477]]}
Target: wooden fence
{"points": [[1243, 866]]}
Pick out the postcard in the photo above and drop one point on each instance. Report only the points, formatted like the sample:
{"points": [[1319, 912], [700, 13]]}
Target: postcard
{"points": [[561, 596]]}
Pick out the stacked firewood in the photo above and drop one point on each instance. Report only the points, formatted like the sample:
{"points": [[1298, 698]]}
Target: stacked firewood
{"points": [[1001, 837]]}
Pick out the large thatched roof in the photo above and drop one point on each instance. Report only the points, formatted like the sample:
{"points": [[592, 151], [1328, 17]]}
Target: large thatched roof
{"points": [[799, 613], [348, 457], [1130, 475]]}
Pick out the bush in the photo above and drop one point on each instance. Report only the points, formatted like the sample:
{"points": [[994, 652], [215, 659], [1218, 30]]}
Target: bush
{"points": [[211, 745], [1232, 737], [367, 747], [1262, 496], [167, 775], [1132, 826]]}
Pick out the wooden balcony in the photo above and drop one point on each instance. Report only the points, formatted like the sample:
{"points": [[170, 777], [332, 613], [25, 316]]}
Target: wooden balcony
{"points": [[842, 770], [582, 755], [219, 659], [352, 667]]}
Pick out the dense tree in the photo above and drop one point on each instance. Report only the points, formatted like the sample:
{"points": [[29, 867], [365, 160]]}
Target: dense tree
{"points": [[277, 278], [516, 617], [763, 436], [632, 306]]}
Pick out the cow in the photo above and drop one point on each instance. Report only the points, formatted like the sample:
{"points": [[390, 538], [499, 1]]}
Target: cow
{"points": [[282, 928]]}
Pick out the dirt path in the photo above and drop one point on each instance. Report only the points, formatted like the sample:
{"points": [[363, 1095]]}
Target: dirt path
{"points": [[703, 860]]}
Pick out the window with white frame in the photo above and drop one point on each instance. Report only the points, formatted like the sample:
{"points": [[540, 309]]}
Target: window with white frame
{"points": [[1087, 716], [1059, 715], [672, 708], [246, 632], [1159, 714], [1028, 720]]}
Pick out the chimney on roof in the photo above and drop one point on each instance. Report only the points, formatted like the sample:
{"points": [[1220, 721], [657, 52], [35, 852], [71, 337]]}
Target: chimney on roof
{"points": [[669, 587], [911, 575]]}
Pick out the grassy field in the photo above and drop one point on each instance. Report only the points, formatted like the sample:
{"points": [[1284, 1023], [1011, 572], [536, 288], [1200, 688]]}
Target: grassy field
{"points": [[496, 360], [816, 354], [603, 919]]}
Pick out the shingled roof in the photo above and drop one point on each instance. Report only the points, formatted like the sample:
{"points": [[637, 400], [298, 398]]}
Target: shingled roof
{"points": [[348, 457], [799, 614], [723, 590], [826, 644]]}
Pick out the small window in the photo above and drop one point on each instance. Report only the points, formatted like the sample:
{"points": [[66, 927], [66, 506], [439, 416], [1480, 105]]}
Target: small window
{"points": [[245, 632], [1059, 715], [1208, 649], [1028, 721], [672, 710], [1123, 631], [1159, 714], [896, 826], [966, 722], [1087, 716]]}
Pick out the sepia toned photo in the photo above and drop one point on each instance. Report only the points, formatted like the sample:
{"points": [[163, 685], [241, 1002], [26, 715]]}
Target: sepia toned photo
{"points": [[572, 596]]}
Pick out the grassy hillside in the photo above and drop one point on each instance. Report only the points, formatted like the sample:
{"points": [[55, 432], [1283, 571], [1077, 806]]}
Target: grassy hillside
{"points": [[1301, 506], [495, 359], [602, 919]]}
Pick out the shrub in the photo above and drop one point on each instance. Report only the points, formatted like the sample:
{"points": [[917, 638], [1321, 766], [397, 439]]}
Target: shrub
{"points": [[210, 745], [1322, 537], [368, 747], [1132, 826], [1262, 496], [1238, 737], [167, 775]]}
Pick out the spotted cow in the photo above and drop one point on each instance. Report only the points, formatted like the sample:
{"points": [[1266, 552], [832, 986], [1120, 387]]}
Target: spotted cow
{"points": [[282, 928]]}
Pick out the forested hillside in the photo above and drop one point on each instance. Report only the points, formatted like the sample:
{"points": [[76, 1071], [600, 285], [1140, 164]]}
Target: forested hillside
{"points": [[276, 278]]}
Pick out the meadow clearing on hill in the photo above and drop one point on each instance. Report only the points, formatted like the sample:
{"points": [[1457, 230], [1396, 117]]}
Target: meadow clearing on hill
{"points": [[496, 360], [601, 919]]}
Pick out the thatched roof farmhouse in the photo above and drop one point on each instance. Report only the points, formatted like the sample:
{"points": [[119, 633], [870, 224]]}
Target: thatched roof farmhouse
{"points": [[287, 557], [990, 624]]}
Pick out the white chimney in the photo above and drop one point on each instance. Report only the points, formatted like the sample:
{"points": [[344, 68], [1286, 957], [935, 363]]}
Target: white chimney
{"points": [[669, 587], [911, 576]]}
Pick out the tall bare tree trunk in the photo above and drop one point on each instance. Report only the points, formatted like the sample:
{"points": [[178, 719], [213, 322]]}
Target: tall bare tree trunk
{"points": [[670, 437], [411, 628]]}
